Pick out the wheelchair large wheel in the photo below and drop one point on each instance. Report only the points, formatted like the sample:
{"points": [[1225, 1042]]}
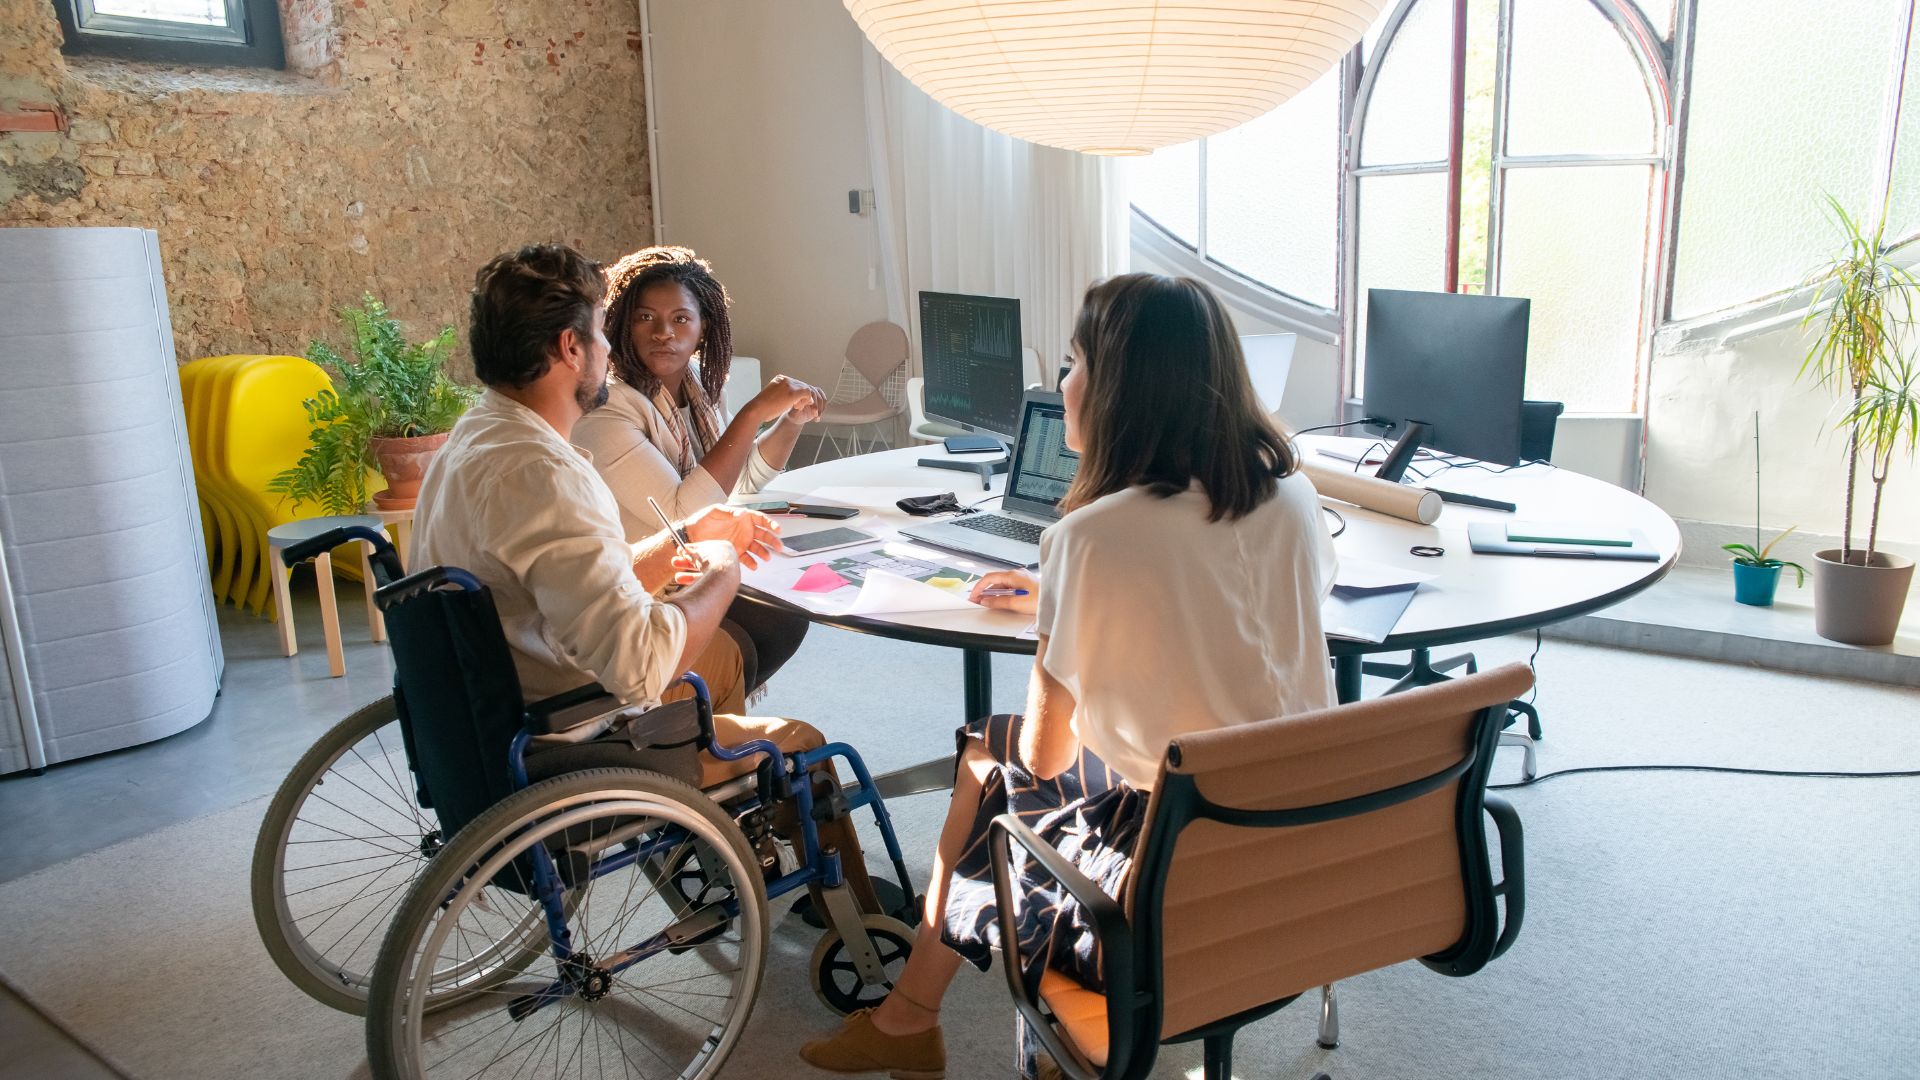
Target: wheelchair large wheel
{"points": [[648, 986], [341, 842]]}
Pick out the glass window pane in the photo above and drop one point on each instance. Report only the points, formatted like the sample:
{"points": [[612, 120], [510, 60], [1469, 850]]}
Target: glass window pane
{"points": [[1576, 88], [1165, 186], [1786, 104], [1403, 244], [1583, 342], [1272, 189], [197, 12], [1407, 114], [1903, 211]]}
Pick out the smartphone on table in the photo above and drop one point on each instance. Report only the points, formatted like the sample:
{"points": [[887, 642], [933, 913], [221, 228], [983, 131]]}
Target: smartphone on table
{"points": [[822, 510], [825, 540]]}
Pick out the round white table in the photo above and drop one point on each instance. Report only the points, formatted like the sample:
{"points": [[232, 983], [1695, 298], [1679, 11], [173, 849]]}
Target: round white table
{"points": [[1472, 596]]}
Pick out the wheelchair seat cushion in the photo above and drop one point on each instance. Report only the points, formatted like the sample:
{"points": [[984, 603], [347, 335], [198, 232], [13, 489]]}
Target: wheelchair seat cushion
{"points": [[612, 752]]}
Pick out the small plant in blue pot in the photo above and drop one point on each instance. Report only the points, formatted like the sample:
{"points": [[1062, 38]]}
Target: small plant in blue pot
{"points": [[1756, 575]]}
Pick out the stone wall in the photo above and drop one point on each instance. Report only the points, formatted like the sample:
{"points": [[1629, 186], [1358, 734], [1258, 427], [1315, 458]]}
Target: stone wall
{"points": [[409, 141]]}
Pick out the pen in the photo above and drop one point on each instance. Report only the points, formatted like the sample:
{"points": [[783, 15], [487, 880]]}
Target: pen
{"points": [[1001, 590], [675, 533]]}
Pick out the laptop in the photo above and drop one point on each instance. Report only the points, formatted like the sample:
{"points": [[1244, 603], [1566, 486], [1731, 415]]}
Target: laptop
{"points": [[1038, 476], [1269, 361]]}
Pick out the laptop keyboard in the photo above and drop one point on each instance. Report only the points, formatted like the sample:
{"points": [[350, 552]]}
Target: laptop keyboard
{"points": [[1000, 525]]}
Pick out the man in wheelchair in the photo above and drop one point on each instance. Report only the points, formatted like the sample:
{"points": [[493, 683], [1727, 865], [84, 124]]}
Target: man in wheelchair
{"points": [[512, 502]]}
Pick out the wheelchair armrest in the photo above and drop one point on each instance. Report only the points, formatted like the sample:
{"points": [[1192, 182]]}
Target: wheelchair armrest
{"points": [[564, 712], [1110, 927], [1513, 869]]}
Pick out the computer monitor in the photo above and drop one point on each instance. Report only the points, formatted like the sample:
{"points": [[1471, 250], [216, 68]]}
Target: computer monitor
{"points": [[1269, 360], [970, 354], [1453, 361]]}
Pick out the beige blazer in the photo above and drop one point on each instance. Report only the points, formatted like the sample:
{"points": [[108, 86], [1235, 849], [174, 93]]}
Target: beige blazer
{"points": [[635, 447]]}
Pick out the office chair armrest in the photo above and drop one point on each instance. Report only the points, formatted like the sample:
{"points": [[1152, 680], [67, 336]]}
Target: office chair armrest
{"points": [[1110, 928], [564, 712], [1513, 869]]}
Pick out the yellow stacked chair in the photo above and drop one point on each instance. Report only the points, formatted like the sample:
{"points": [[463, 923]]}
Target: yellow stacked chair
{"points": [[245, 424]]}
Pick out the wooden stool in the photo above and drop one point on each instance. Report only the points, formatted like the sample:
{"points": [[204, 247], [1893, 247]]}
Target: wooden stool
{"points": [[284, 536], [400, 524]]}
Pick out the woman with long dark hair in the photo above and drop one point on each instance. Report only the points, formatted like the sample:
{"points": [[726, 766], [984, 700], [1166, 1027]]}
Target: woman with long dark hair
{"points": [[664, 432], [1180, 592]]}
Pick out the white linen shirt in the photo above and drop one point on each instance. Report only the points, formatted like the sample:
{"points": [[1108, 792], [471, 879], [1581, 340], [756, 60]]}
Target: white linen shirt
{"points": [[1161, 623], [514, 504], [636, 448]]}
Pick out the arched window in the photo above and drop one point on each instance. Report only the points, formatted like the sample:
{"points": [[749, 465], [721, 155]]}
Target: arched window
{"points": [[1564, 168]]}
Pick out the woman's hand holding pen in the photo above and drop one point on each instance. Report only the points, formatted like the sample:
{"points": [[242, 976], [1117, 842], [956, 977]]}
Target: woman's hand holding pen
{"points": [[1008, 590]]}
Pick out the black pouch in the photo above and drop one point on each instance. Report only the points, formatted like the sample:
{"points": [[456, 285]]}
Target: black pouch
{"points": [[929, 505]]}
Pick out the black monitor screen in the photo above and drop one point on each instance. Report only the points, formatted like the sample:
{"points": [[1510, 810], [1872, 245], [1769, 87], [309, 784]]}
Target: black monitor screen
{"points": [[1454, 361], [1045, 467], [970, 346]]}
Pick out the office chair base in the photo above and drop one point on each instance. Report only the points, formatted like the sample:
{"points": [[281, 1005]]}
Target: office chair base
{"points": [[1529, 768], [1329, 1019]]}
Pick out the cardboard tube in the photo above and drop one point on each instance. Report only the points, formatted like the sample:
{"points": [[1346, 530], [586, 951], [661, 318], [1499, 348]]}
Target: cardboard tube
{"points": [[1371, 493]]}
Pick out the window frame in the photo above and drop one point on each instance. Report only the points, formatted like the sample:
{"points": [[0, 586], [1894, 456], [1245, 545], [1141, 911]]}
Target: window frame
{"points": [[1654, 62], [1276, 304], [251, 38], [1763, 314]]}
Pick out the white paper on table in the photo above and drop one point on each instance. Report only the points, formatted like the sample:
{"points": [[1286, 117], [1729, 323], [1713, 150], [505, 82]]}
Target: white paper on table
{"points": [[1031, 633], [867, 498], [887, 593], [1362, 575]]}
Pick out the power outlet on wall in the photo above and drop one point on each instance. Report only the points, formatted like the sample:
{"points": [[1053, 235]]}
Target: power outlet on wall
{"points": [[859, 201]]}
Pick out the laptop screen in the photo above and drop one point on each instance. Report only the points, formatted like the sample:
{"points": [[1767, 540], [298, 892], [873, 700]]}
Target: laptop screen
{"points": [[1043, 467]]}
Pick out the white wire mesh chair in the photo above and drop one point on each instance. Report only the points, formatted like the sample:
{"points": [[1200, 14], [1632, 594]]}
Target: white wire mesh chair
{"points": [[870, 392]]}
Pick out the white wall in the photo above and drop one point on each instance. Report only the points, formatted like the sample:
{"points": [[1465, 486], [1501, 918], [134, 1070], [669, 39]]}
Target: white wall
{"points": [[762, 134], [1705, 387]]}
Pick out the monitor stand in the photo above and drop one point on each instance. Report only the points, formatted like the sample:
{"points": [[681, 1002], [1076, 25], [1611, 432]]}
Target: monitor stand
{"points": [[985, 470], [1413, 434]]}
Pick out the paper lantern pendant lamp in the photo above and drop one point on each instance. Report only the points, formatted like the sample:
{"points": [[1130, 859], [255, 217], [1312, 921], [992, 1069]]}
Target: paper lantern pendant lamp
{"points": [[1117, 77]]}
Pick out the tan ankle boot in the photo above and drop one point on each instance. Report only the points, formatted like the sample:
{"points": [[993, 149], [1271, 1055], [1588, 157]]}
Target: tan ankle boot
{"points": [[860, 1047]]}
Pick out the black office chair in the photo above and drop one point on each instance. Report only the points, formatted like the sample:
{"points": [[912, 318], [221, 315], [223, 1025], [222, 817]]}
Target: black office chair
{"points": [[1279, 856], [1538, 419]]}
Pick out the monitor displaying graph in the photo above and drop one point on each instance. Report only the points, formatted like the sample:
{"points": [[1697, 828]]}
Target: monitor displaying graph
{"points": [[970, 348]]}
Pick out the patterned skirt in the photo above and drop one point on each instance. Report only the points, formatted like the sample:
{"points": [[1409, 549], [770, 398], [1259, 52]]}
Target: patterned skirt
{"points": [[1089, 814]]}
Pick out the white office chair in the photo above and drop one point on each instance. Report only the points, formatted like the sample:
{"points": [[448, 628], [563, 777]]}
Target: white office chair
{"points": [[743, 382], [921, 429], [871, 389]]}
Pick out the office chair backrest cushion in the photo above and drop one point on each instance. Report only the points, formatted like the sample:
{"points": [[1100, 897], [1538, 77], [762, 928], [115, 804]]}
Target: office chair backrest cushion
{"points": [[459, 697], [1255, 915], [1538, 419], [877, 350]]}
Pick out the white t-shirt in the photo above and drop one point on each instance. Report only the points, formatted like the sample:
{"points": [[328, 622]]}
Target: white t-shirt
{"points": [[1160, 622]]}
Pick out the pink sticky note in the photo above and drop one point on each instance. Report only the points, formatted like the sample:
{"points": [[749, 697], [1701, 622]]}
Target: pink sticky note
{"points": [[819, 578]]}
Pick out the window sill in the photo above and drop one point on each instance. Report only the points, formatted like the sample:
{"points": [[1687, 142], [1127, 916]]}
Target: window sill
{"points": [[151, 80]]}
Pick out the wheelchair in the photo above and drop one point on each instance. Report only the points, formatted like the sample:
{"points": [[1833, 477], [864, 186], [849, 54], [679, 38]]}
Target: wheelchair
{"points": [[545, 889]]}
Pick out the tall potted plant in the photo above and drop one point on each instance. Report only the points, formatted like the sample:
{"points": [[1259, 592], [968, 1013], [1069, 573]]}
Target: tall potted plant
{"points": [[391, 408], [1862, 303]]}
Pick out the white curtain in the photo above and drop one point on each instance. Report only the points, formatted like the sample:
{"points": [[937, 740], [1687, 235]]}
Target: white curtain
{"points": [[963, 209]]}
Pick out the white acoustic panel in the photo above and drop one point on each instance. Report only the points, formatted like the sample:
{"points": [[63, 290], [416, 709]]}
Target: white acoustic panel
{"points": [[109, 624]]}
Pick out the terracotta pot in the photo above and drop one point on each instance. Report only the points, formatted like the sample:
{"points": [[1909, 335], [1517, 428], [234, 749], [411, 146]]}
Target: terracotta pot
{"points": [[1856, 603], [404, 463]]}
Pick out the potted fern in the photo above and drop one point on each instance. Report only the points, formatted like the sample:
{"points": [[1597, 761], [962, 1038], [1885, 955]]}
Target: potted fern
{"points": [[391, 407], [1862, 303]]}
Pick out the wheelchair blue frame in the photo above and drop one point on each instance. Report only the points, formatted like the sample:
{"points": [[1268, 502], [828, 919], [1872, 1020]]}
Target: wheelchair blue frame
{"points": [[775, 784]]}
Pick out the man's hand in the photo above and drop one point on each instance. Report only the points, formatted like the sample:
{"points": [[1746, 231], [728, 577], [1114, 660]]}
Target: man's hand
{"points": [[752, 534], [717, 562]]}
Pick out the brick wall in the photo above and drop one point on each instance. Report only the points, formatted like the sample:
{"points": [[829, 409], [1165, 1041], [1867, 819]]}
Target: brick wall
{"points": [[409, 141]]}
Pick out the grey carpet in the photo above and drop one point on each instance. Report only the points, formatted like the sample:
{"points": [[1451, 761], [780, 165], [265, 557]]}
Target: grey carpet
{"points": [[1679, 924]]}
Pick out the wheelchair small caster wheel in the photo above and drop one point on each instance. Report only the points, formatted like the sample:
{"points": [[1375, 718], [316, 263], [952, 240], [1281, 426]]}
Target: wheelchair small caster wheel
{"points": [[836, 981]]}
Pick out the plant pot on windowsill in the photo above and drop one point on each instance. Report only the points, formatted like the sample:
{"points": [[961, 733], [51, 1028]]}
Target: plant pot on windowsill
{"points": [[1756, 574], [404, 463], [1859, 602]]}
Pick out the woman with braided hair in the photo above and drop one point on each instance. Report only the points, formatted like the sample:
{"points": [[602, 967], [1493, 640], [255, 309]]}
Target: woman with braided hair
{"points": [[664, 432]]}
